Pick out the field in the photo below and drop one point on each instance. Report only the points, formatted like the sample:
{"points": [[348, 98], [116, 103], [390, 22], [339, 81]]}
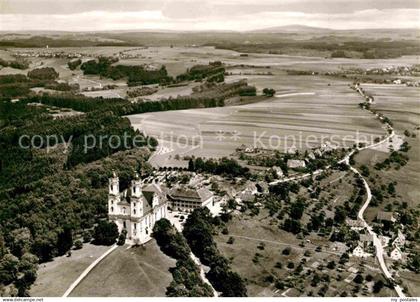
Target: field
{"points": [[135, 272], [401, 104], [305, 112]]}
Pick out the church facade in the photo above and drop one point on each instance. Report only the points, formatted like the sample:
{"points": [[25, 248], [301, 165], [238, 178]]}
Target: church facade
{"points": [[137, 208]]}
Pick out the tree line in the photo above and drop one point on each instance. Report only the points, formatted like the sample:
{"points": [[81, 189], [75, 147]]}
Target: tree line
{"points": [[198, 230], [186, 281]]}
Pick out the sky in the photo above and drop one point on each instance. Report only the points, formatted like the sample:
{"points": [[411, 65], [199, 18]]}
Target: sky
{"points": [[237, 15]]}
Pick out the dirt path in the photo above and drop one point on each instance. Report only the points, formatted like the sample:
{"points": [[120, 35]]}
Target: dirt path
{"points": [[203, 274]]}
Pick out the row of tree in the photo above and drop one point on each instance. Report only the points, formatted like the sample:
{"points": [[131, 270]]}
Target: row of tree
{"points": [[186, 281], [198, 230]]}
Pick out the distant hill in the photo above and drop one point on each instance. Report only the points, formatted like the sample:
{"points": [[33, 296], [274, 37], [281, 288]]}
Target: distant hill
{"points": [[293, 28]]}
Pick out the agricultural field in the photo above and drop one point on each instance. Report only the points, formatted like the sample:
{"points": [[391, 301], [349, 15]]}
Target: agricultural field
{"points": [[290, 119]]}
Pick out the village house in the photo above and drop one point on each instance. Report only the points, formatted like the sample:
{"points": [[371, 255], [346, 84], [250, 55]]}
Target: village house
{"points": [[292, 150], [262, 187], [318, 152], [366, 240], [359, 252], [136, 209], [396, 254], [246, 149], [296, 163], [384, 240], [327, 146], [247, 194], [311, 155], [399, 241], [244, 196], [355, 224], [278, 171], [185, 198]]}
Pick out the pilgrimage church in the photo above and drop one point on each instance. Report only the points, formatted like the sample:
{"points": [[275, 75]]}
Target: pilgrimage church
{"points": [[137, 208]]}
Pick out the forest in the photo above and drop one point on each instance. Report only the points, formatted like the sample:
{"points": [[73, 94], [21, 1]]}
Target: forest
{"points": [[136, 75], [51, 195]]}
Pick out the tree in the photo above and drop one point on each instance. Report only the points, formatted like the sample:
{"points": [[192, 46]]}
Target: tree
{"points": [[45, 73], [28, 266], [358, 279], [64, 241], [377, 286], [8, 268], [364, 170], [105, 233], [21, 241], [286, 251], [170, 241], [391, 188], [269, 92], [331, 265], [340, 215], [122, 237], [78, 244], [297, 208], [291, 225]]}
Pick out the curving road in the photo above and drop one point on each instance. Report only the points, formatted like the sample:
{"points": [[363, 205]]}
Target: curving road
{"points": [[376, 242]]}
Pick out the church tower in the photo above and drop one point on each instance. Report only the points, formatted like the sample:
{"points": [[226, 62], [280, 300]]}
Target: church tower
{"points": [[114, 184], [113, 194], [136, 197]]}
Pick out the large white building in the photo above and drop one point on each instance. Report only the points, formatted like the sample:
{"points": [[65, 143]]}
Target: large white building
{"points": [[187, 199], [136, 209]]}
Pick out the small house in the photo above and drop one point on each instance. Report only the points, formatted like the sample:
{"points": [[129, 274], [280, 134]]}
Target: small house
{"points": [[396, 254], [296, 163]]}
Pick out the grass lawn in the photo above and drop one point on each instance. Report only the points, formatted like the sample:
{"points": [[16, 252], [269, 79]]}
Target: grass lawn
{"points": [[56, 276], [135, 272]]}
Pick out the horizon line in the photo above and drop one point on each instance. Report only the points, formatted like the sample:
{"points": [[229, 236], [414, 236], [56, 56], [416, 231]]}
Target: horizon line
{"points": [[266, 29]]}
